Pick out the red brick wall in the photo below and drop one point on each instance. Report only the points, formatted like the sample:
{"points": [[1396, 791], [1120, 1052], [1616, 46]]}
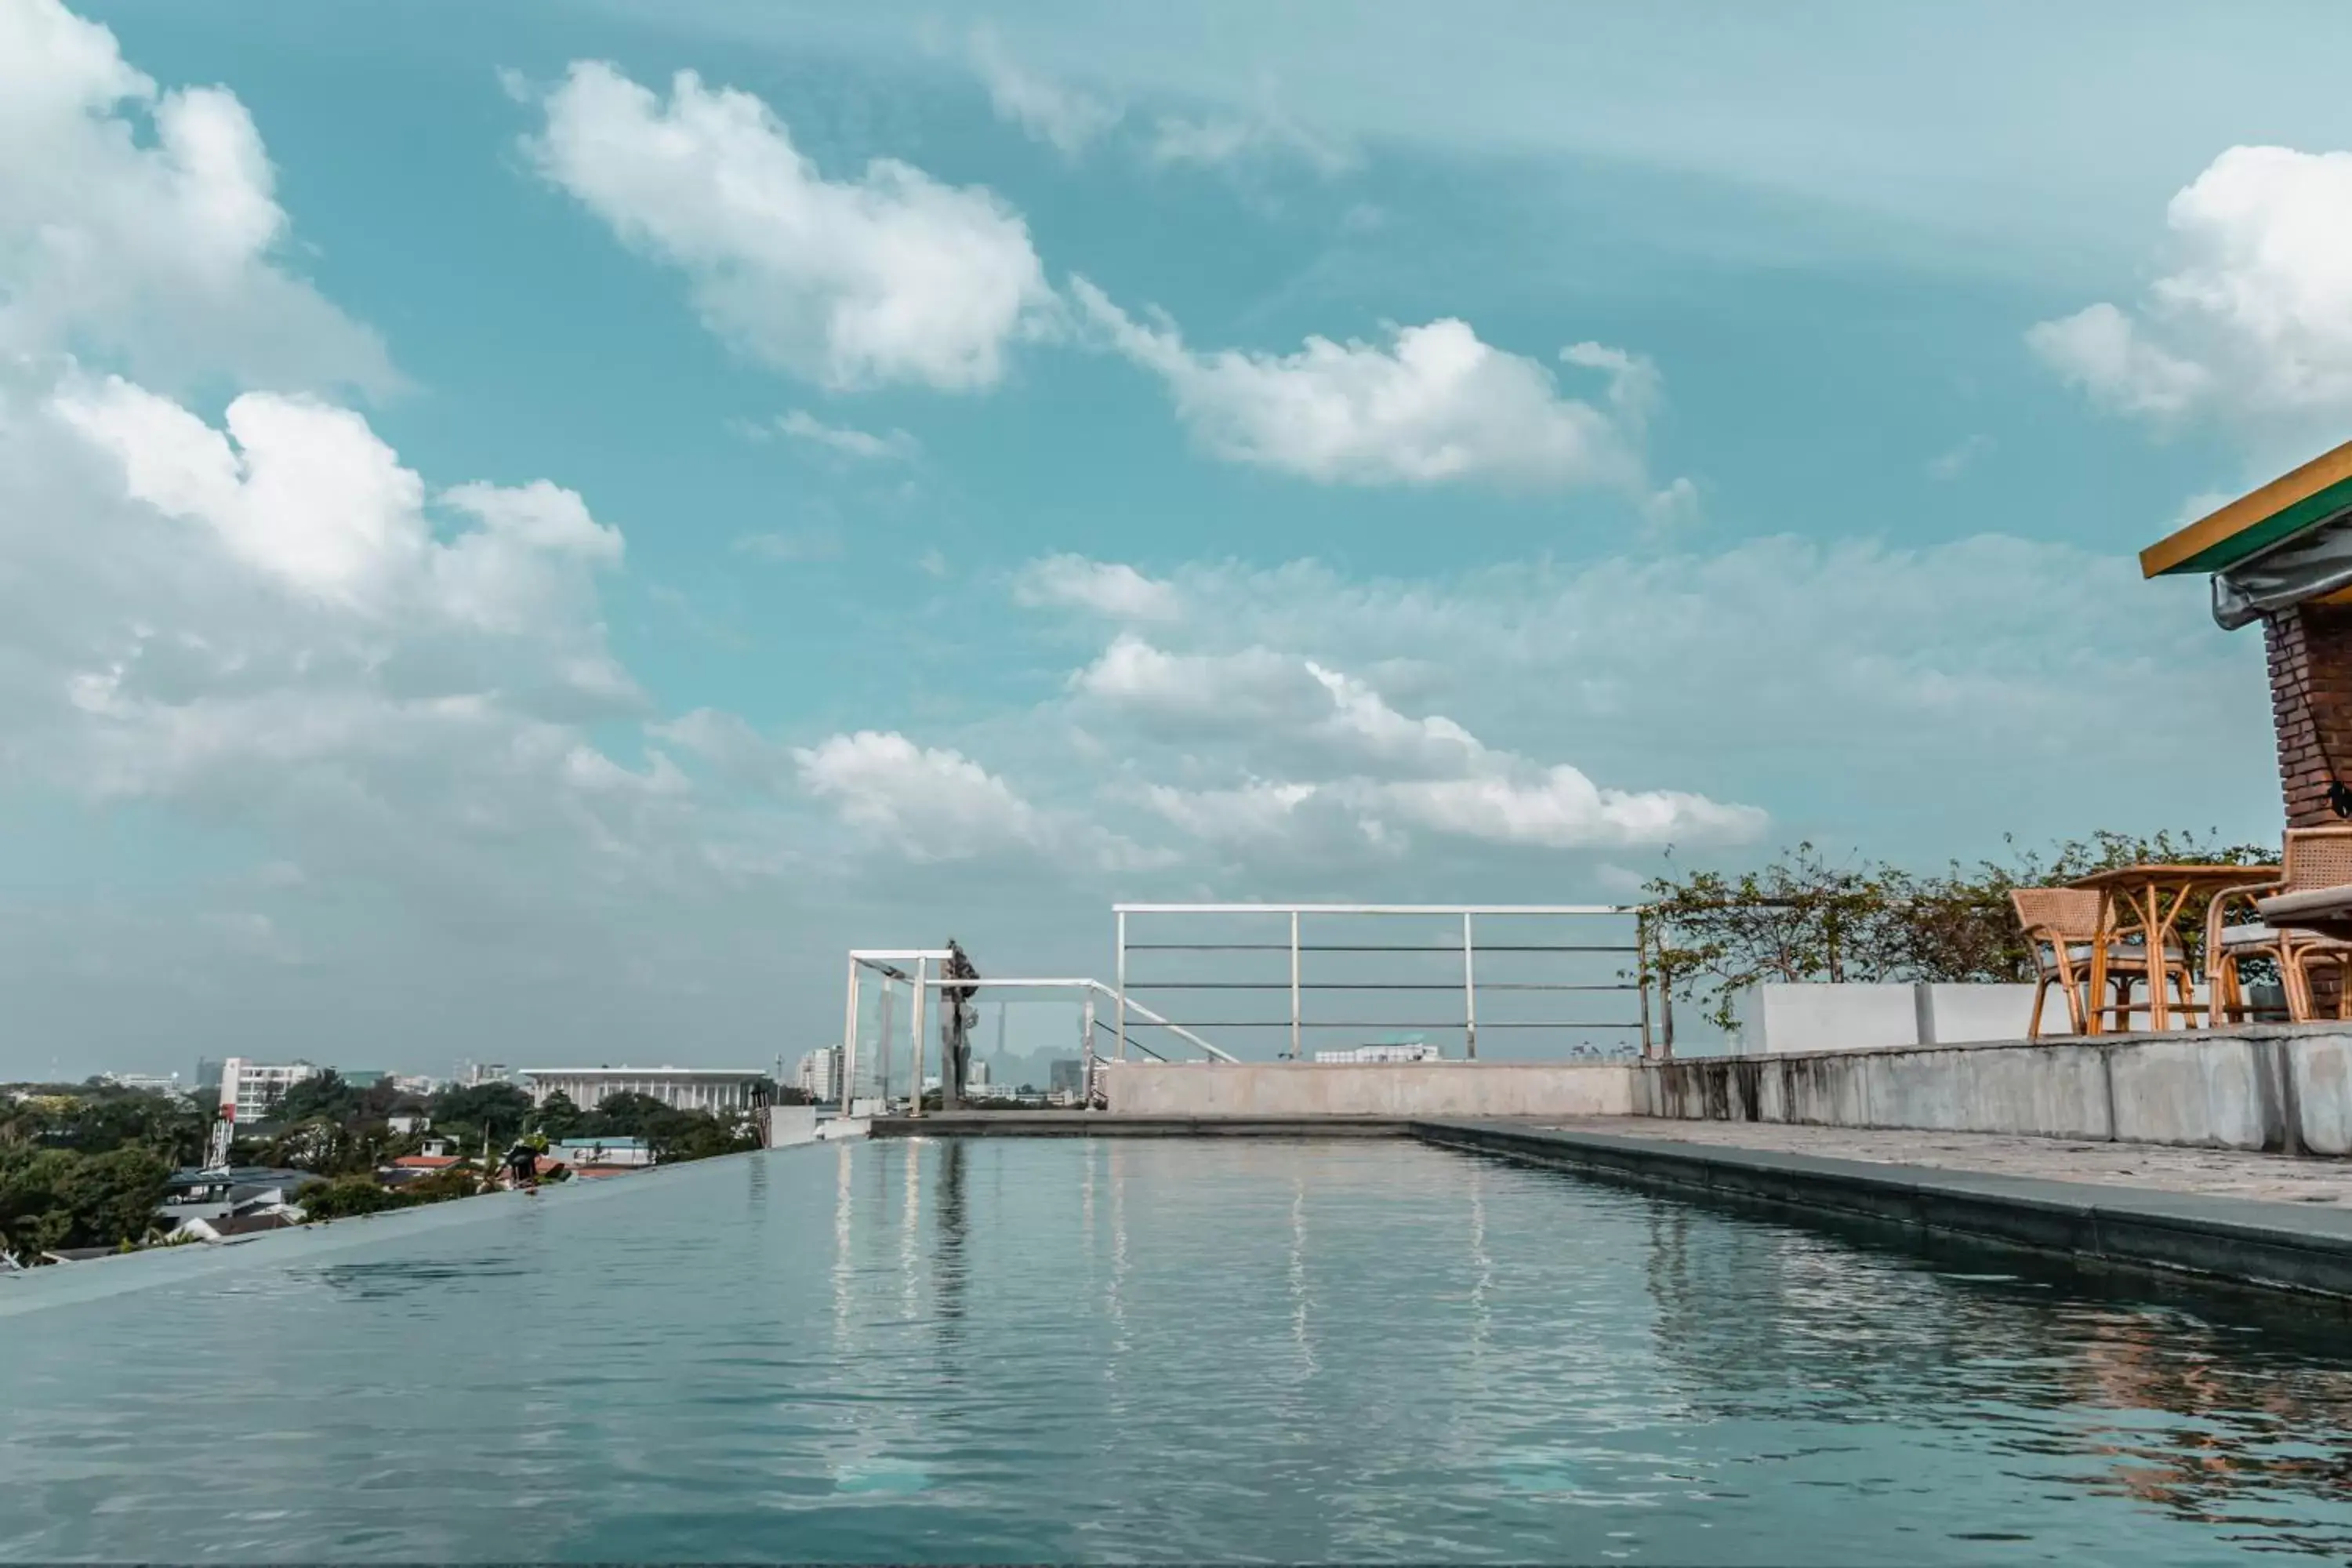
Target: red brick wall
{"points": [[2310, 651]]}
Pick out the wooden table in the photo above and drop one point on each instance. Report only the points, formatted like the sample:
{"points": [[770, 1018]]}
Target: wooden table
{"points": [[2151, 898]]}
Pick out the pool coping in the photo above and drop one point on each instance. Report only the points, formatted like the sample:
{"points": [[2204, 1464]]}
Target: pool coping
{"points": [[2253, 1241], [2248, 1241]]}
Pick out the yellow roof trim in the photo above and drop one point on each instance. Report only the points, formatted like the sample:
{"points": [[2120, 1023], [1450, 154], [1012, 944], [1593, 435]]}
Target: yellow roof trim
{"points": [[2247, 512]]}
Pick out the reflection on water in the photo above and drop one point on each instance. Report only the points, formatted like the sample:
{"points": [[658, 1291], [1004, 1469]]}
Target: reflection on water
{"points": [[1049, 1350]]}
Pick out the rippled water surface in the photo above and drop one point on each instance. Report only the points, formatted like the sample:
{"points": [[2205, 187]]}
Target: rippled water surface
{"points": [[1106, 1351]]}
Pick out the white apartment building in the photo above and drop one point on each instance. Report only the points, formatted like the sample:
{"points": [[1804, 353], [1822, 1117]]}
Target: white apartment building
{"points": [[248, 1090], [819, 1075], [715, 1089]]}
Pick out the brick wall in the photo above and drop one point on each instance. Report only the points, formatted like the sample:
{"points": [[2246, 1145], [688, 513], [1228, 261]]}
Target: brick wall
{"points": [[2310, 651]]}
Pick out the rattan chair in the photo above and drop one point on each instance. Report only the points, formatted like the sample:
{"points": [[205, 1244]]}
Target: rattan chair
{"points": [[2316, 858], [2062, 927]]}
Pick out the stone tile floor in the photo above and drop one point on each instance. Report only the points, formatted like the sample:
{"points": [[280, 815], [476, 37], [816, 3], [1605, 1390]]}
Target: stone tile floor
{"points": [[2222, 1173]]}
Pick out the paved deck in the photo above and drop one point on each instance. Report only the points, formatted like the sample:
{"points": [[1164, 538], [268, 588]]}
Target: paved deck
{"points": [[2127, 1221], [2217, 1172]]}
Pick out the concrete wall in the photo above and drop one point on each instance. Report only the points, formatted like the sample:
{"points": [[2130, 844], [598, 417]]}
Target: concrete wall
{"points": [[2285, 1089], [1871, 1017], [790, 1124], [1372, 1089], [1962, 1014]]}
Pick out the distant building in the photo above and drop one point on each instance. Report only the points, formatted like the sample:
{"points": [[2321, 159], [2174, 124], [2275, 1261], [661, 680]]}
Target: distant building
{"points": [[249, 1091], [247, 1189], [473, 1075], [715, 1089], [1068, 1076], [209, 1072], [607, 1152], [362, 1077], [1395, 1049], [148, 1082], [819, 1074], [417, 1084], [409, 1122]]}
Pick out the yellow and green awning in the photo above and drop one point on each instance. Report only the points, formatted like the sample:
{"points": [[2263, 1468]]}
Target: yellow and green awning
{"points": [[2315, 494]]}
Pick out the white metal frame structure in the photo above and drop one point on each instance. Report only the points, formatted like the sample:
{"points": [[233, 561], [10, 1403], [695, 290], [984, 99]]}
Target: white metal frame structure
{"points": [[1468, 914], [926, 979]]}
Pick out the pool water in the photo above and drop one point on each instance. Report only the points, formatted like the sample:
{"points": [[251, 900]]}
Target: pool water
{"points": [[1106, 1351]]}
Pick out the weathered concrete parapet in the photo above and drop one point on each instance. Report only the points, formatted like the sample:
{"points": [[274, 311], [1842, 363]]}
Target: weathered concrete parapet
{"points": [[2278, 1087], [1372, 1089]]}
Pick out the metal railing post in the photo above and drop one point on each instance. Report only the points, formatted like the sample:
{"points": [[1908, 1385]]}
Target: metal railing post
{"points": [[922, 982], [1086, 1053], [1469, 993], [1642, 973], [1122, 986], [849, 1044], [1666, 1007], [1294, 985], [882, 1011]]}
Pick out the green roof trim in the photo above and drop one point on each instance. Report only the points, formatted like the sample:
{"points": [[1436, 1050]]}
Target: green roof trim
{"points": [[2281, 525]]}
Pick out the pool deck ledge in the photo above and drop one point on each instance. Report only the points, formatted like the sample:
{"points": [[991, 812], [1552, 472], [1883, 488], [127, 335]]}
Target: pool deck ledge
{"points": [[2302, 1246], [1113, 1124]]}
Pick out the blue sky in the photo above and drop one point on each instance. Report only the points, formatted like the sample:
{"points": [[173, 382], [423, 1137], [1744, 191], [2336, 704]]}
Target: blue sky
{"points": [[521, 555]]}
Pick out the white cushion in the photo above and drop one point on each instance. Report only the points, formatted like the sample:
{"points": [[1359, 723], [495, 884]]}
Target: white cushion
{"points": [[2080, 953]]}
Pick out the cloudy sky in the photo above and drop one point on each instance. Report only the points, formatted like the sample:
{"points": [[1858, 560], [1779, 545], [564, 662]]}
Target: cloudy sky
{"points": [[526, 529]]}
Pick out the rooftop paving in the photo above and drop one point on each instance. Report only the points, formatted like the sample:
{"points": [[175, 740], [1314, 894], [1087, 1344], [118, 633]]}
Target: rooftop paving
{"points": [[2143, 1167]]}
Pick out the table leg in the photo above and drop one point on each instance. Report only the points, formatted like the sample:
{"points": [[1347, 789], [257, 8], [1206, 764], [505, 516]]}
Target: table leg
{"points": [[2095, 1020], [2156, 926]]}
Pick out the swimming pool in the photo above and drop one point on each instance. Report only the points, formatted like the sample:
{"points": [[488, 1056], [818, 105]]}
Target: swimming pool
{"points": [[1065, 1349]]}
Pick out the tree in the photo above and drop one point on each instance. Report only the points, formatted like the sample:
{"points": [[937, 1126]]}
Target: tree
{"points": [[627, 1114], [60, 1198], [496, 1110], [349, 1195], [557, 1116], [324, 1097]]}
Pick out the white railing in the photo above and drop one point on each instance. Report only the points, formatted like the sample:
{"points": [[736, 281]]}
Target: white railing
{"points": [[926, 979], [1601, 932], [1616, 930]]}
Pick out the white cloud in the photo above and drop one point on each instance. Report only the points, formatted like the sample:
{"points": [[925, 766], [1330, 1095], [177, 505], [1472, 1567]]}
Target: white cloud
{"points": [[2252, 325], [1065, 118], [142, 225], [1247, 687], [1255, 810], [931, 805], [1333, 735], [1112, 590], [308, 496], [1844, 687], [1220, 139], [1559, 809], [1433, 406], [2112, 359], [892, 277], [1950, 464], [864, 445]]}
